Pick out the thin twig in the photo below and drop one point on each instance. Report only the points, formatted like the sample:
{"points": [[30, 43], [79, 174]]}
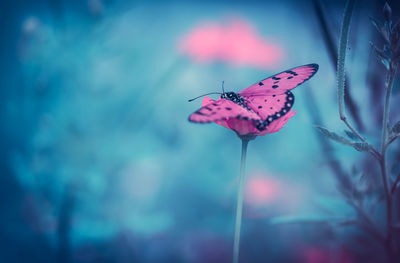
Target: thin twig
{"points": [[385, 179], [395, 184], [373, 151], [390, 140]]}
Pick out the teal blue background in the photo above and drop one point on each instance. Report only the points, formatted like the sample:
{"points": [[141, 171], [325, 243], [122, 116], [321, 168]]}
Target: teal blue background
{"points": [[98, 160]]}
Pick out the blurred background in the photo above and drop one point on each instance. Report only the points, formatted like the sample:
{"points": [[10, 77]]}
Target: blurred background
{"points": [[98, 162]]}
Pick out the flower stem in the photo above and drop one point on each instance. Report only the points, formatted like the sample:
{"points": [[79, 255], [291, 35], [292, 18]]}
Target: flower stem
{"points": [[384, 144], [239, 204]]}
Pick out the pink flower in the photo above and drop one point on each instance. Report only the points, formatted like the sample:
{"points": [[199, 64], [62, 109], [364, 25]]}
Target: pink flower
{"points": [[247, 127], [237, 43]]}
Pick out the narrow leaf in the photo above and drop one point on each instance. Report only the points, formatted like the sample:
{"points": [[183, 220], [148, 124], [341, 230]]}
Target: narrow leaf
{"points": [[351, 135], [342, 49], [387, 12], [381, 28], [381, 55], [386, 63], [361, 146], [396, 128], [334, 136]]}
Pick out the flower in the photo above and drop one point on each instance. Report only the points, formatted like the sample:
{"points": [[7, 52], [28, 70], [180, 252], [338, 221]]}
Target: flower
{"points": [[236, 43], [246, 127]]}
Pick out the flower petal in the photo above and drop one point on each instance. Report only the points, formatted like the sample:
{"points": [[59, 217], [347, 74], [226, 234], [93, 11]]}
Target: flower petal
{"points": [[246, 127], [223, 123], [277, 124], [242, 127]]}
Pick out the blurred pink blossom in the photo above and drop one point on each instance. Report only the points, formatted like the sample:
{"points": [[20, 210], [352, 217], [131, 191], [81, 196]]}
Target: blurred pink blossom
{"points": [[261, 190], [236, 43]]}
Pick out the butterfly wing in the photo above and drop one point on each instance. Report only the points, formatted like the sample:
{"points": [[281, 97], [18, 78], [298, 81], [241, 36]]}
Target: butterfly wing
{"points": [[222, 109], [281, 82], [270, 108]]}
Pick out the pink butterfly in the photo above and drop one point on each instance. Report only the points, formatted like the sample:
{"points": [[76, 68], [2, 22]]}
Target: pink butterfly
{"points": [[262, 108]]}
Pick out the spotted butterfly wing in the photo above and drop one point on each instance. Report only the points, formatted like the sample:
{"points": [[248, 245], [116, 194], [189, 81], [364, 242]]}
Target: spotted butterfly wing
{"points": [[222, 109], [271, 98], [265, 101], [270, 108], [281, 82]]}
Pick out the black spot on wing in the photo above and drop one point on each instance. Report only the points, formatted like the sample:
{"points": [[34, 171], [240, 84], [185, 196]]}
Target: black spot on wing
{"points": [[227, 108], [275, 86], [307, 71], [240, 117], [291, 72], [260, 84], [280, 113]]}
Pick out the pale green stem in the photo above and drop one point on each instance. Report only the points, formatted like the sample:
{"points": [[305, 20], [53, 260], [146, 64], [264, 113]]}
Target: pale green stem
{"points": [[239, 204], [386, 110], [344, 36], [341, 75], [384, 144]]}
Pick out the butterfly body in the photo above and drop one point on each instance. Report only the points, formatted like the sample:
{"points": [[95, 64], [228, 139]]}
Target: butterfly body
{"points": [[261, 103], [236, 98]]}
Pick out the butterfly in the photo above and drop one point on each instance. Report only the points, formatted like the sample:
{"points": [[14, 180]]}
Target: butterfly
{"points": [[261, 103]]}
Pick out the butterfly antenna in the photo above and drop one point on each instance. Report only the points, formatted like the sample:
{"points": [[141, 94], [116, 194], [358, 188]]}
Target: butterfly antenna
{"points": [[223, 90], [204, 95]]}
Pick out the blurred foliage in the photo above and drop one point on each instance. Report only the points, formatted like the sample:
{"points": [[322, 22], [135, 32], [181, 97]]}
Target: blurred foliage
{"points": [[99, 164]]}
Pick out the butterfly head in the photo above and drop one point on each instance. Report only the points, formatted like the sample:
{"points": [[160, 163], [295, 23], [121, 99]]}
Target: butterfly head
{"points": [[232, 96], [229, 95]]}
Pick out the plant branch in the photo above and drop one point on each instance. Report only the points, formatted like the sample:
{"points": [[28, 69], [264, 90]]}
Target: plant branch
{"points": [[384, 143], [391, 139], [373, 151], [395, 184]]}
